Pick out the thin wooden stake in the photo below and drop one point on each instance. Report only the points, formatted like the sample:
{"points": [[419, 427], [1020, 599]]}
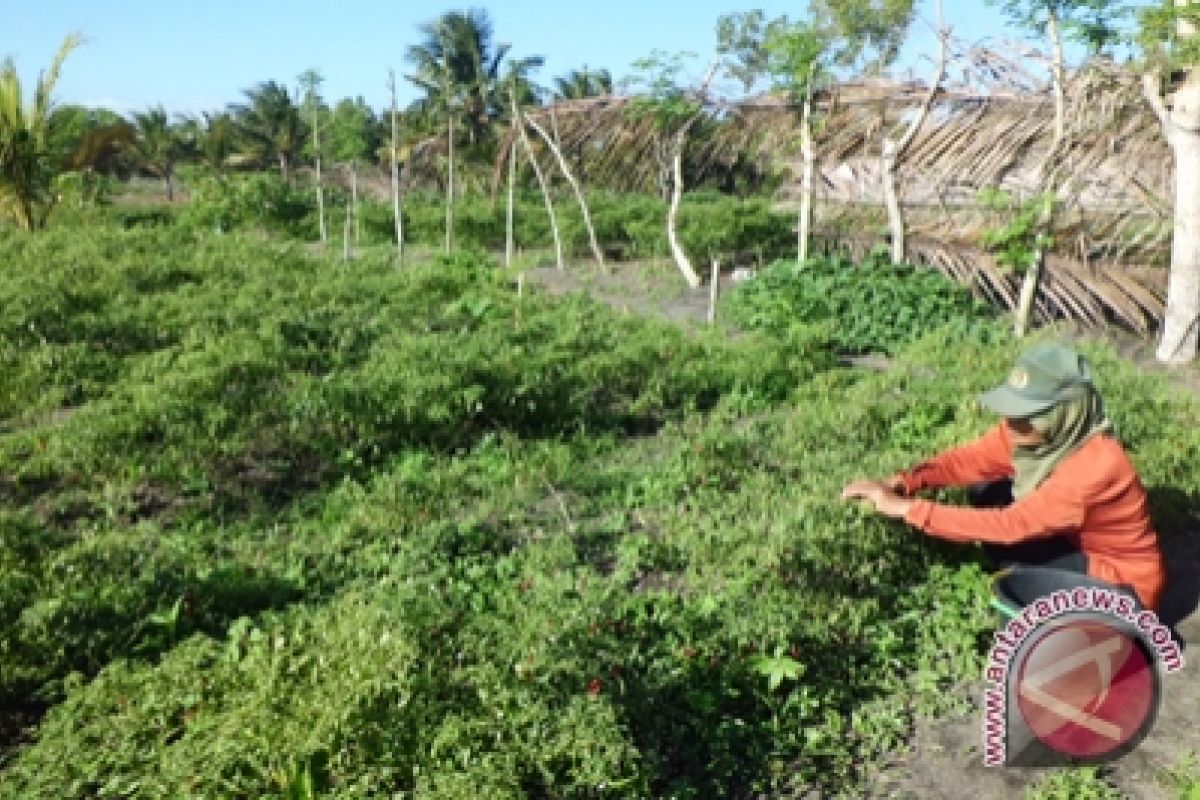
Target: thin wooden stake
{"points": [[714, 289]]}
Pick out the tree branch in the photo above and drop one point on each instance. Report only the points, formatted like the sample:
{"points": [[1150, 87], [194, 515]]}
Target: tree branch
{"points": [[935, 84]]}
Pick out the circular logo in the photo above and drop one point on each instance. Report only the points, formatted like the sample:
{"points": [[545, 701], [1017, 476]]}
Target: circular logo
{"points": [[1087, 686], [1018, 378]]}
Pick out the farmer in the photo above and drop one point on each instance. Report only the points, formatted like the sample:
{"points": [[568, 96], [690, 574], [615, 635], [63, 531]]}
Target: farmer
{"points": [[1073, 501]]}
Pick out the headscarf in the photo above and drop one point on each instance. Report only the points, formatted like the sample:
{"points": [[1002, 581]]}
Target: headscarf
{"points": [[1065, 426]]}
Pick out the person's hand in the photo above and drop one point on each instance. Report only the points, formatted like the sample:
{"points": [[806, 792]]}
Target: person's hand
{"points": [[895, 483], [886, 501]]}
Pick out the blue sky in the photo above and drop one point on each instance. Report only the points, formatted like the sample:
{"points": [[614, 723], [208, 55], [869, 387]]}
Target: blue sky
{"points": [[193, 56]]}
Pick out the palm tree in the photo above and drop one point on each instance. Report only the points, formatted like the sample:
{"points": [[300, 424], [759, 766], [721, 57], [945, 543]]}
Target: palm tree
{"points": [[27, 165], [211, 136], [459, 67], [158, 146], [271, 125], [581, 83]]}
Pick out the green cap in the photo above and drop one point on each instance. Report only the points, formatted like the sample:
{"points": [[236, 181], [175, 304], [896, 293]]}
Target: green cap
{"points": [[1042, 377]]}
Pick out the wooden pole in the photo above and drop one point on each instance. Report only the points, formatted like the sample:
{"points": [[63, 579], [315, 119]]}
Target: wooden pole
{"points": [[508, 215], [714, 290], [395, 147]]}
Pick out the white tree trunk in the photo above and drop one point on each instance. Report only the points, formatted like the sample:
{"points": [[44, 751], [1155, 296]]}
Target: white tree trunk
{"points": [[681, 259], [891, 200], [324, 232], [566, 171], [714, 291], [354, 199], [1024, 310], [1181, 125], [1058, 79], [1023, 313], [541, 179], [893, 150], [321, 205], [508, 216], [808, 153], [449, 180], [395, 147]]}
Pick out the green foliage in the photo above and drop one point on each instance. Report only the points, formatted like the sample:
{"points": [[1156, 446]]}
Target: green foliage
{"points": [[1090, 21], [1184, 777], [83, 188], [633, 226], [795, 52], [1084, 783], [1024, 229], [870, 307], [354, 132], [579, 84], [226, 202], [269, 128], [661, 95], [275, 526], [463, 71], [791, 53], [27, 135], [866, 36], [1159, 34]]}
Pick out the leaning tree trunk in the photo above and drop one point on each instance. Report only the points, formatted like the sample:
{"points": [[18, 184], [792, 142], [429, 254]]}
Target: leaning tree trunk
{"points": [[1181, 126], [681, 258], [566, 171], [1029, 286], [893, 150], [541, 179]]}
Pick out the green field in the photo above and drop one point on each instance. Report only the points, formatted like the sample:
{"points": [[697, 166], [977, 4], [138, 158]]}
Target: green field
{"points": [[275, 525]]}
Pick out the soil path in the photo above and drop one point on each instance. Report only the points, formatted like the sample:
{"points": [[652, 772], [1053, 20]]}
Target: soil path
{"points": [[944, 758]]}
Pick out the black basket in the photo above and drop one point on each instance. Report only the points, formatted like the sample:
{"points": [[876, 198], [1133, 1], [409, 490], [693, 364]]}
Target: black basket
{"points": [[1015, 588]]}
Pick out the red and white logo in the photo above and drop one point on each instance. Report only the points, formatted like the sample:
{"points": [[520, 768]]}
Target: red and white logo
{"points": [[1086, 686]]}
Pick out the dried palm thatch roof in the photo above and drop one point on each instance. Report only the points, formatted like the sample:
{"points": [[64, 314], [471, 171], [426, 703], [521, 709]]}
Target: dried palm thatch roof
{"points": [[991, 127]]}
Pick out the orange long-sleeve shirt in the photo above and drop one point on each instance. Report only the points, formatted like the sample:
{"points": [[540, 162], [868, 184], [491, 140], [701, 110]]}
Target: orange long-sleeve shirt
{"points": [[1093, 497]]}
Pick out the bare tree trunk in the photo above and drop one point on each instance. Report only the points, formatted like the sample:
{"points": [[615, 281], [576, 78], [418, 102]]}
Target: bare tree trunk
{"points": [[566, 171], [395, 147], [678, 141], [508, 215], [1033, 275], [450, 180], [346, 234], [714, 290], [1028, 291], [681, 259], [541, 179], [320, 185], [354, 199], [891, 201], [170, 185], [808, 153], [284, 169], [1058, 79], [893, 151], [1181, 126]]}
